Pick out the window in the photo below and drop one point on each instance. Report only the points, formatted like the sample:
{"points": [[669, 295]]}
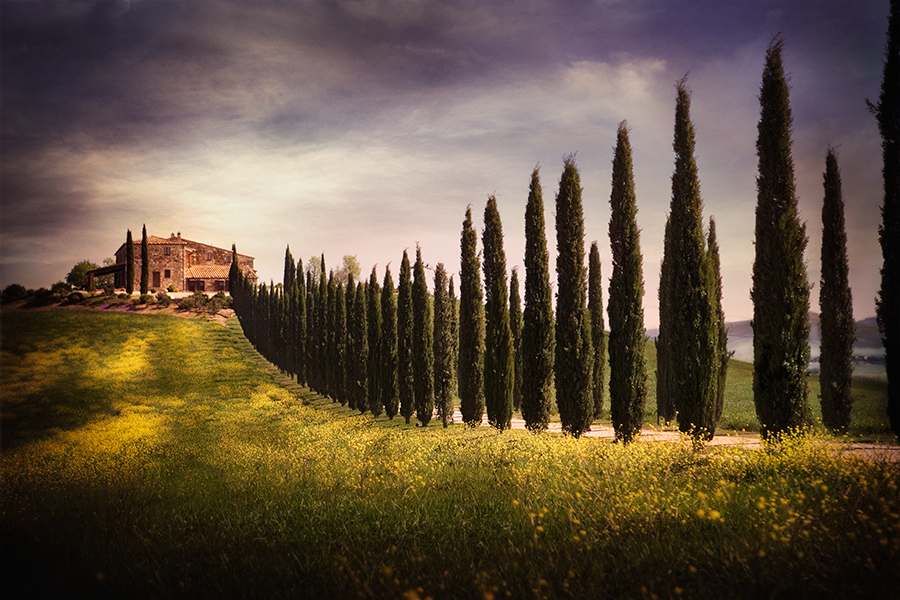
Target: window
{"points": [[209, 256], [167, 252], [228, 260], [168, 273]]}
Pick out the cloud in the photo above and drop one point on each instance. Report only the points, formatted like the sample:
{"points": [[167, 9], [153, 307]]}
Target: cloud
{"points": [[364, 127]]}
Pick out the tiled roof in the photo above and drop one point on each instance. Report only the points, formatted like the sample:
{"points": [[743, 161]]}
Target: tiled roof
{"points": [[213, 272]]}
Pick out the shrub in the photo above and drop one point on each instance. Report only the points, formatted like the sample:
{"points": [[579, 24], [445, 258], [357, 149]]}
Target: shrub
{"points": [[196, 301], [144, 299], [124, 296], [163, 298], [172, 288], [13, 292], [75, 297], [218, 302], [60, 288]]}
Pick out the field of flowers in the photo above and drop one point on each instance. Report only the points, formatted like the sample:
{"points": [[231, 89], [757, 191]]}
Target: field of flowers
{"points": [[150, 456]]}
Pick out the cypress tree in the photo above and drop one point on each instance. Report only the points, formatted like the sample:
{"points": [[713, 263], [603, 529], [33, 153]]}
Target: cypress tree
{"points": [[390, 394], [145, 263], [537, 319], [373, 309], [471, 327], [331, 363], [350, 366], [499, 368], [311, 329], [515, 322], [234, 271], [780, 289], [722, 353], [129, 264], [689, 332], [423, 344], [360, 365], [322, 328], [340, 344], [444, 369], [454, 334], [405, 369], [300, 336], [836, 305], [574, 356], [627, 367], [665, 404], [598, 339], [290, 269], [887, 305]]}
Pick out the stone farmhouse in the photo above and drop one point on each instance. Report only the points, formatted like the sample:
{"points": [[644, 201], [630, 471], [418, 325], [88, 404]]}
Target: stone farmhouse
{"points": [[174, 261]]}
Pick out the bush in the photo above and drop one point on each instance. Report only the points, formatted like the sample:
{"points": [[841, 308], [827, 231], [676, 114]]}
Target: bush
{"points": [[61, 288], [13, 292], [144, 299], [196, 301], [218, 302], [172, 288], [124, 296], [163, 298], [76, 297], [109, 290]]}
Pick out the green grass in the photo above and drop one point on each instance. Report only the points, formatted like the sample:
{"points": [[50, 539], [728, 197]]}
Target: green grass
{"points": [[153, 456]]}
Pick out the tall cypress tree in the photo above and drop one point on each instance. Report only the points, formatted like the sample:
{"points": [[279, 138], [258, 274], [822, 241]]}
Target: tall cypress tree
{"points": [[129, 263], [322, 330], [373, 308], [574, 355], [360, 365], [688, 330], [145, 263], [515, 324], [598, 339], [234, 271], [331, 364], [454, 335], [499, 368], [887, 305], [444, 368], [471, 327], [390, 393], [350, 365], [537, 320], [340, 344], [312, 316], [722, 353], [423, 344], [290, 269], [665, 403], [780, 289], [300, 336], [405, 368], [627, 367], [836, 305]]}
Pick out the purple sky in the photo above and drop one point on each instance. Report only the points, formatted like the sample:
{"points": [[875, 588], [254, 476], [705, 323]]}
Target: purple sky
{"points": [[365, 127]]}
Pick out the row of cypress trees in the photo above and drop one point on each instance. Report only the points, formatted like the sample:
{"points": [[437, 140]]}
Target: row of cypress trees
{"points": [[406, 352], [371, 346]]}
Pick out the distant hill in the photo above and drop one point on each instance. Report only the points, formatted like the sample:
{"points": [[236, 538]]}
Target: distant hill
{"points": [[740, 338]]}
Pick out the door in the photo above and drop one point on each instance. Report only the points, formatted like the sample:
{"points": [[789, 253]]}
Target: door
{"points": [[156, 279]]}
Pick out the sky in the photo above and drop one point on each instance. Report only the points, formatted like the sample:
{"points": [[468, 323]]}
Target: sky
{"points": [[367, 127]]}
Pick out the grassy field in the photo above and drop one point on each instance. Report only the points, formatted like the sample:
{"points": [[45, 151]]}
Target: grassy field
{"points": [[152, 456]]}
